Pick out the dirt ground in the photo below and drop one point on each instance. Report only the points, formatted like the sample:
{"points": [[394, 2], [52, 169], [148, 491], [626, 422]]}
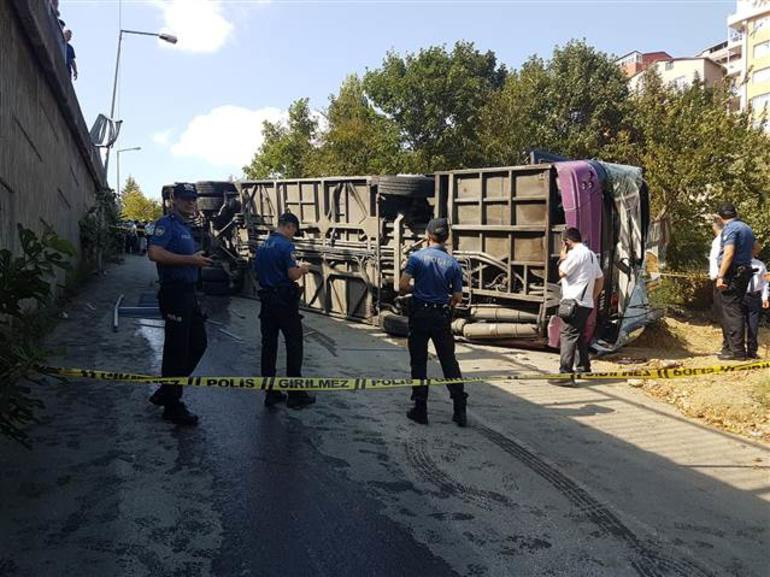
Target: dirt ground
{"points": [[739, 402]]}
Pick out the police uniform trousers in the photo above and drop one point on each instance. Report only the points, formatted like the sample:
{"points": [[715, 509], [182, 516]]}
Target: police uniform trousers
{"points": [[279, 312], [185, 335], [752, 304], [733, 308], [431, 322], [572, 338]]}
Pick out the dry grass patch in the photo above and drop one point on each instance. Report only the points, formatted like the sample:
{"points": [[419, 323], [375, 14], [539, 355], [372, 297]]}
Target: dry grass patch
{"points": [[736, 402]]}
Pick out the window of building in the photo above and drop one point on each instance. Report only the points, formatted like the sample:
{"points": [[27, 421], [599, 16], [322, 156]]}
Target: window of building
{"points": [[762, 49], [681, 82], [762, 23], [758, 103], [761, 75], [669, 65], [633, 58]]}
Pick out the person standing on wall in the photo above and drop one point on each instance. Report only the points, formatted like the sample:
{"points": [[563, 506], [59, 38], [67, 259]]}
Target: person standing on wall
{"points": [[278, 273], [72, 65], [437, 289], [172, 247], [580, 275], [716, 247], [736, 250], [756, 299]]}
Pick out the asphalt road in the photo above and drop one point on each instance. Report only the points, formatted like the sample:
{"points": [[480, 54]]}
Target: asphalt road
{"points": [[597, 480]]}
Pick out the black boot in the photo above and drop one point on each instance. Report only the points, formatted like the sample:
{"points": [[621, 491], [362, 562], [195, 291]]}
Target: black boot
{"points": [[178, 414], [419, 413], [299, 399], [159, 397], [272, 398], [459, 416]]}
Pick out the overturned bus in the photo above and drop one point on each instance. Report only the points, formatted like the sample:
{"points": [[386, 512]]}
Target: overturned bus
{"points": [[506, 227]]}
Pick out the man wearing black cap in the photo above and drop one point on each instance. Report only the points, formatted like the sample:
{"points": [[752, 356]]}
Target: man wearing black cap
{"points": [[735, 272], [278, 273], [172, 247], [437, 289]]}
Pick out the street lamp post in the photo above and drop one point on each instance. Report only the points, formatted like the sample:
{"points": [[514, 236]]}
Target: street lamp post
{"points": [[170, 38], [117, 188]]}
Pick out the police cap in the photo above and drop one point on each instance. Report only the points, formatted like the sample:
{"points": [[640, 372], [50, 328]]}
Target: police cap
{"points": [[185, 190], [438, 228]]}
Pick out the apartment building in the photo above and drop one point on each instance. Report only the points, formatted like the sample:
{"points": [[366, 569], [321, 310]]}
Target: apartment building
{"points": [[749, 38], [682, 72], [635, 61]]}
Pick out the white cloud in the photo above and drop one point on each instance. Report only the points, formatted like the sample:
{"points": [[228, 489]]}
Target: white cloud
{"points": [[227, 136], [162, 137], [199, 25]]}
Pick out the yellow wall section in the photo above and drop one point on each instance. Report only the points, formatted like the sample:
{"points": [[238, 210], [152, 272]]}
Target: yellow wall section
{"points": [[753, 64]]}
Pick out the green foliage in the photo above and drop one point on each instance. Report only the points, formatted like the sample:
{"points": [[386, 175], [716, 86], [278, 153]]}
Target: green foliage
{"points": [[435, 97], [99, 231], [694, 293], [358, 139], [585, 101], [24, 280], [696, 152], [136, 206], [512, 119], [443, 109], [574, 105], [288, 149]]}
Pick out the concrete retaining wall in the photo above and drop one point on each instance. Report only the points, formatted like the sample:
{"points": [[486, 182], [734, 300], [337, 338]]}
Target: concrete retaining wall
{"points": [[48, 168]]}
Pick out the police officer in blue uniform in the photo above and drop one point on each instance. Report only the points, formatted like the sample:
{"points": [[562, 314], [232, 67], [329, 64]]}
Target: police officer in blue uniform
{"points": [[735, 272], [278, 273], [437, 289], [172, 248]]}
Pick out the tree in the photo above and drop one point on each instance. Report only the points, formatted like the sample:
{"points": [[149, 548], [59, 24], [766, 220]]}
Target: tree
{"points": [[358, 140], [135, 206], [435, 98], [585, 102], [696, 152], [511, 120], [575, 105], [288, 149]]}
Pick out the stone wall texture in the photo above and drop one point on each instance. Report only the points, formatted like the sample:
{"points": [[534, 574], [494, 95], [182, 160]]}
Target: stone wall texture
{"points": [[48, 168]]}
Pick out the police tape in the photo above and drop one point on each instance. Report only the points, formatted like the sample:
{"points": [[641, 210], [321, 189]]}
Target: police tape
{"points": [[368, 383], [690, 275]]}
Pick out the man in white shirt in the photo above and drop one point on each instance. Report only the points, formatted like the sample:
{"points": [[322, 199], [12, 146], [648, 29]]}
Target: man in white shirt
{"points": [[716, 247], [581, 276], [755, 300]]}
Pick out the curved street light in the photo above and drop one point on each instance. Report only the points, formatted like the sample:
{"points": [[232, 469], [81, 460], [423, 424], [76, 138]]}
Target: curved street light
{"points": [[170, 38], [117, 188]]}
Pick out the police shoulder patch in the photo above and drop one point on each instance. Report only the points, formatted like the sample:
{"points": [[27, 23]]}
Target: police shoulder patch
{"points": [[159, 230], [149, 229]]}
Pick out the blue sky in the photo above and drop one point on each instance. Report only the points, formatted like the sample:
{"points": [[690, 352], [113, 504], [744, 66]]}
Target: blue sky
{"points": [[196, 108]]}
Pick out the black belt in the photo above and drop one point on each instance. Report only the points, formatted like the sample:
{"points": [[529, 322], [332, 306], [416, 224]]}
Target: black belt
{"points": [[435, 306]]}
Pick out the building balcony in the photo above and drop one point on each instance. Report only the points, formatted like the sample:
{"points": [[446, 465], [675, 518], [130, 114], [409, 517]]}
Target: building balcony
{"points": [[747, 10]]}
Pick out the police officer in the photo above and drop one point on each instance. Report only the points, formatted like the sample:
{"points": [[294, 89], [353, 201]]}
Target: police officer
{"points": [[172, 247], [437, 289], [278, 273], [736, 251]]}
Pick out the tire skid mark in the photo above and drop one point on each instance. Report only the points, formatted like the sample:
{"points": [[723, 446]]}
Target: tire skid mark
{"points": [[651, 561], [325, 341], [427, 468]]}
